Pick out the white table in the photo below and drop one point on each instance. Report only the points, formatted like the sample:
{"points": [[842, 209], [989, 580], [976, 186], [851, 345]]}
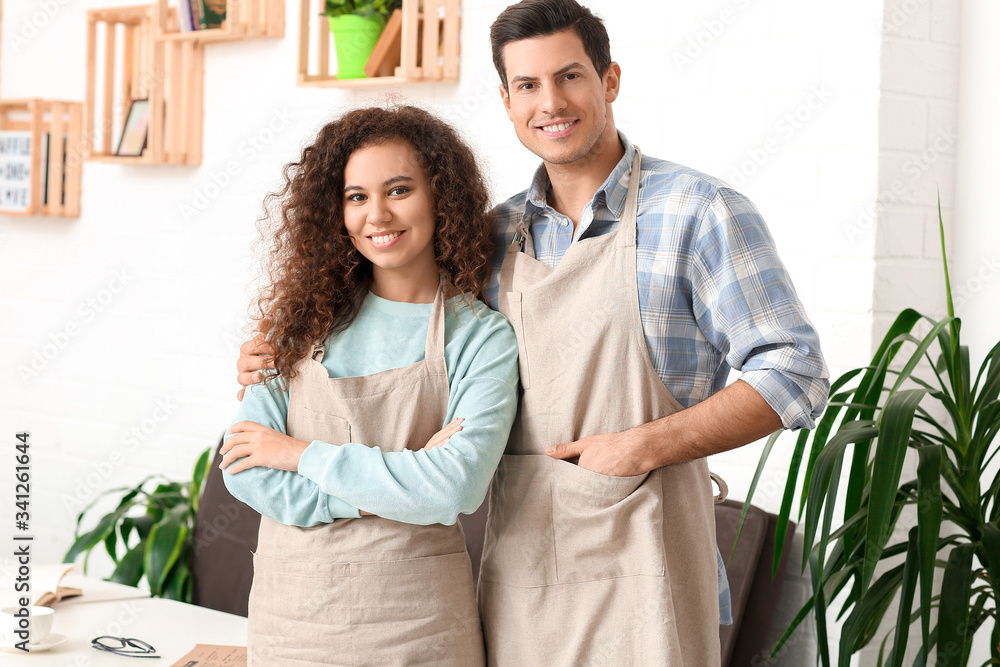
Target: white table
{"points": [[173, 628]]}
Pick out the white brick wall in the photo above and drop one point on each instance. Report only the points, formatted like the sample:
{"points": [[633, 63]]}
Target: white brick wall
{"points": [[917, 141]]}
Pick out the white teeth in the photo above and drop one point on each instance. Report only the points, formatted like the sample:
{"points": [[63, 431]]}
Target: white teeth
{"points": [[382, 240], [556, 128]]}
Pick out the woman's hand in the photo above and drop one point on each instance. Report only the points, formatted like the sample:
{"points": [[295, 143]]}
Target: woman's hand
{"points": [[441, 437], [255, 445]]}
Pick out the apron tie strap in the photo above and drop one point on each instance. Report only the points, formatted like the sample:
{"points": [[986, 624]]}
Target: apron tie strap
{"points": [[723, 487]]}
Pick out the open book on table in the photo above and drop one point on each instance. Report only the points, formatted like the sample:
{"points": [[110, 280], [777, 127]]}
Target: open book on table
{"points": [[45, 588]]}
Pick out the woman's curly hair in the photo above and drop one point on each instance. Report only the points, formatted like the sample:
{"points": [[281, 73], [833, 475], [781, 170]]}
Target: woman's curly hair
{"points": [[317, 278]]}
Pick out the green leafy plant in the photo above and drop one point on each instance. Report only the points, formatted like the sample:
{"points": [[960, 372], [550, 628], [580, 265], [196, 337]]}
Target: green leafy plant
{"points": [[148, 534], [380, 9], [869, 424]]}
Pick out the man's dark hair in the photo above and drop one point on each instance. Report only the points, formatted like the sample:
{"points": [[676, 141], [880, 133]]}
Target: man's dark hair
{"points": [[540, 18]]}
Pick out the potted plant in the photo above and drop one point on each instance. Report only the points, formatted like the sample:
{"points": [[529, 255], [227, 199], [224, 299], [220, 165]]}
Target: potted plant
{"points": [[949, 418], [356, 26], [148, 534]]}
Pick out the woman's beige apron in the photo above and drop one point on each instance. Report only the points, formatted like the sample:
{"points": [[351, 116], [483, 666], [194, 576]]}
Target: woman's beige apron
{"points": [[366, 591], [581, 568]]}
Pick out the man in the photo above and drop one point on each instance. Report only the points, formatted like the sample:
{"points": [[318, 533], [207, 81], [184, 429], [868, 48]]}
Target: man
{"points": [[633, 285]]}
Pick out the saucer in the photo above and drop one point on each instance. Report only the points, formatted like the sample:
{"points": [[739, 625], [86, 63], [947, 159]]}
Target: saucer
{"points": [[51, 641]]}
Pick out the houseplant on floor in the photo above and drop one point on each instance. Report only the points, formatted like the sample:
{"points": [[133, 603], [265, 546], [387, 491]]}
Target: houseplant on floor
{"points": [[356, 26], [950, 419], [148, 534]]}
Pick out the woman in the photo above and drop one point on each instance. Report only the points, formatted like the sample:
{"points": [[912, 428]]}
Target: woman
{"points": [[383, 238]]}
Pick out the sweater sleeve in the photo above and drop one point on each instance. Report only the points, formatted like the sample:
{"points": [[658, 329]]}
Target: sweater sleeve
{"points": [[435, 486], [282, 495]]}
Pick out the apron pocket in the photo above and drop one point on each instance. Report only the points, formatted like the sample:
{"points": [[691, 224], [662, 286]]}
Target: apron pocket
{"points": [[604, 526], [327, 428], [416, 611], [519, 549], [298, 611], [517, 321]]}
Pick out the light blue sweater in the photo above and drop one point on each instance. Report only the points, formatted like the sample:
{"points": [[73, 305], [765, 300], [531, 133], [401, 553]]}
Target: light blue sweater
{"points": [[418, 487]]}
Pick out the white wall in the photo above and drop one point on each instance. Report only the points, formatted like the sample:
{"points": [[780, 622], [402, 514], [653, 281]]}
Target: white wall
{"points": [[811, 108], [975, 260]]}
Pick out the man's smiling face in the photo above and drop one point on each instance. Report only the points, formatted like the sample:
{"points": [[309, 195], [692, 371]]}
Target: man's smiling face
{"points": [[559, 104]]}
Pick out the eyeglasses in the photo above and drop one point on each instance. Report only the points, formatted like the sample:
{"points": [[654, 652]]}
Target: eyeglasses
{"points": [[133, 648]]}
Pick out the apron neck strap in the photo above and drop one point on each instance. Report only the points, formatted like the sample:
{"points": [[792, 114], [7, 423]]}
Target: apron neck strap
{"points": [[627, 223], [434, 347]]}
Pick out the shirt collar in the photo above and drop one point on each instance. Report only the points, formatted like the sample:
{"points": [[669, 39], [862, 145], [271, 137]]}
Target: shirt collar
{"points": [[611, 193]]}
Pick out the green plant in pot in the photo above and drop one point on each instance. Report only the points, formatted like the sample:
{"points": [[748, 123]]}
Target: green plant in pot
{"points": [[149, 534], [356, 26], [949, 417]]}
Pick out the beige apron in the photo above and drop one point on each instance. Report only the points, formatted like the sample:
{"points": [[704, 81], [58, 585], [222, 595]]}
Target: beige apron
{"points": [[581, 568], [366, 591]]}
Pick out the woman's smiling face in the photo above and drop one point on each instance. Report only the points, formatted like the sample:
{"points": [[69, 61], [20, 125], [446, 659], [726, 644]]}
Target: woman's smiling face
{"points": [[389, 209]]}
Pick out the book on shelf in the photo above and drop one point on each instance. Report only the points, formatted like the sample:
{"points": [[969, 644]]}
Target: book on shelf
{"points": [[195, 7], [184, 18], [45, 169], [45, 176], [212, 13]]}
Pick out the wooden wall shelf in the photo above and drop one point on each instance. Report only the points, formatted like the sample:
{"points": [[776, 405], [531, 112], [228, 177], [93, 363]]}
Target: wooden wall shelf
{"points": [[63, 123], [245, 19], [429, 51], [133, 66]]}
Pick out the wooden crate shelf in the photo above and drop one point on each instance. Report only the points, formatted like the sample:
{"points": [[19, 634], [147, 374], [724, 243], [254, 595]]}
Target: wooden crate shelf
{"points": [[63, 123], [245, 19], [429, 51], [134, 66]]}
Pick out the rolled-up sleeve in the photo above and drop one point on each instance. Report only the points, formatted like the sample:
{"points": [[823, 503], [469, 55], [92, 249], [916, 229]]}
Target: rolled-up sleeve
{"points": [[746, 305]]}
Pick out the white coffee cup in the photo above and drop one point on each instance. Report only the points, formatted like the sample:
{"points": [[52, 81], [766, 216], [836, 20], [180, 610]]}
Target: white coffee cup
{"points": [[20, 623]]}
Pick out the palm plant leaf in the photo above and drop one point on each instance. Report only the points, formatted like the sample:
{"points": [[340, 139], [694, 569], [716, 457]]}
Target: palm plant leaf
{"points": [[952, 423]]}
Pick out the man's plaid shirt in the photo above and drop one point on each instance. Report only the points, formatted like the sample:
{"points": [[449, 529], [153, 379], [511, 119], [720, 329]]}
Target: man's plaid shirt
{"points": [[713, 294]]}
